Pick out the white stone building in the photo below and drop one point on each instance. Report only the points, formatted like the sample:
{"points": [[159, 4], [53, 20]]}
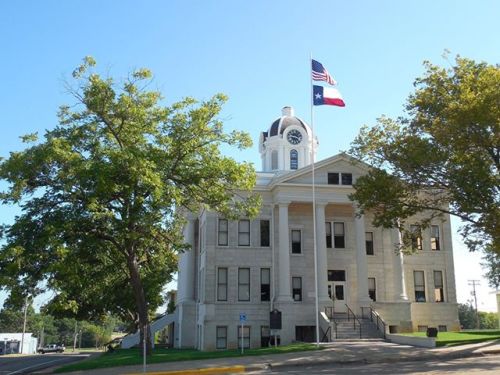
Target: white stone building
{"points": [[257, 265]]}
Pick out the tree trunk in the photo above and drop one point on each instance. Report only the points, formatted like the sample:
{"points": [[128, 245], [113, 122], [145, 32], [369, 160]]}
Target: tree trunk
{"points": [[140, 302]]}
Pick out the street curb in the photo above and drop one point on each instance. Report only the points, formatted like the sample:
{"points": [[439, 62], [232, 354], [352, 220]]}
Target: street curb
{"points": [[202, 371], [361, 361], [364, 361]]}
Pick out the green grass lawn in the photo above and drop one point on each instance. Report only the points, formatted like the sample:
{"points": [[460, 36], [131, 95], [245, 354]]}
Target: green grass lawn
{"points": [[461, 338], [124, 357]]}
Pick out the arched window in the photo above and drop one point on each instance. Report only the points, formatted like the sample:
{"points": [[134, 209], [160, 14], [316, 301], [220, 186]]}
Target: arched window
{"points": [[274, 160], [294, 159]]}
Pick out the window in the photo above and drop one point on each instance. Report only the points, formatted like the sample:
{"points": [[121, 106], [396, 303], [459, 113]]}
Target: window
{"points": [[264, 336], [296, 242], [336, 275], [264, 233], [305, 334], [416, 237], [221, 334], [333, 179], [369, 243], [328, 231], [294, 159], [222, 232], [244, 233], [245, 333], [346, 178], [422, 328], [338, 235], [265, 284], [435, 238], [222, 284], [372, 289], [297, 288], [274, 160], [244, 284], [419, 283], [438, 286], [336, 178]]}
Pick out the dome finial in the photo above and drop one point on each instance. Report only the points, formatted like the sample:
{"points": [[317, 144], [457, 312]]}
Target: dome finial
{"points": [[287, 111]]}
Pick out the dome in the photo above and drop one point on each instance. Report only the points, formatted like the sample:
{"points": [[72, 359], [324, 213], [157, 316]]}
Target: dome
{"points": [[282, 153], [287, 119]]}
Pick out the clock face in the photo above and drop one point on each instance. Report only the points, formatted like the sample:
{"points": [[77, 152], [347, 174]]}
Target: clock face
{"points": [[294, 137]]}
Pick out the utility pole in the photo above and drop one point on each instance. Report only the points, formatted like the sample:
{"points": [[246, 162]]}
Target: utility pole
{"points": [[474, 283], [24, 324]]}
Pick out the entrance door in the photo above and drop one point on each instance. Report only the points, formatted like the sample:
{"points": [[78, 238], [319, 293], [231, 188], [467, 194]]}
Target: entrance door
{"points": [[337, 291]]}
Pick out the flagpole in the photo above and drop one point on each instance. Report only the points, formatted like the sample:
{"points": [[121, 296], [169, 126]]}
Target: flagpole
{"points": [[316, 302]]}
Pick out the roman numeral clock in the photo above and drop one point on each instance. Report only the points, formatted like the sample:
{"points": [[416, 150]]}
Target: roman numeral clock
{"points": [[294, 137]]}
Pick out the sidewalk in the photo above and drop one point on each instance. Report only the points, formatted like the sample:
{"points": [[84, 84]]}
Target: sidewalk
{"points": [[340, 352]]}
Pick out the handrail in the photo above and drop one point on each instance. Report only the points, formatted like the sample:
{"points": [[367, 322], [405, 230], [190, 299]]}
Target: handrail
{"points": [[355, 318], [363, 308], [329, 314], [325, 335], [374, 315]]}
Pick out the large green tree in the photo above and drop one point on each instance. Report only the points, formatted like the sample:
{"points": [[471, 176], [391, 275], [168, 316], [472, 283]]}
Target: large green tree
{"points": [[104, 193], [442, 157]]}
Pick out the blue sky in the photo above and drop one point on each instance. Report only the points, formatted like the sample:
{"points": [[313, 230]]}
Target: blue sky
{"points": [[257, 52]]}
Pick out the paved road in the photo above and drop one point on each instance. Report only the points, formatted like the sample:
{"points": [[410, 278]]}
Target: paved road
{"points": [[477, 365], [29, 364]]}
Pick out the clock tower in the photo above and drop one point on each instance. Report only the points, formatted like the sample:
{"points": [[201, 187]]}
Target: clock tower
{"points": [[288, 144]]}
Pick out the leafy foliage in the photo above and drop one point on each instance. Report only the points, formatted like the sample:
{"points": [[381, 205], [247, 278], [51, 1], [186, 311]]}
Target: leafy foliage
{"points": [[442, 158], [103, 195], [492, 266], [50, 330], [467, 317]]}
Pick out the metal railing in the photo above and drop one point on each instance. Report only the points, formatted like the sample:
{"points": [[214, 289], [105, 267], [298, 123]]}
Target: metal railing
{"points": [[329, 314], [355, 319], [375, 318], [325, 336]]}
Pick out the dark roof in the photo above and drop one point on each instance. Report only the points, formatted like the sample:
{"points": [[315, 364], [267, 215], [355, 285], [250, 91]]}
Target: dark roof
{"points": [[274, 127], [285, 121]]}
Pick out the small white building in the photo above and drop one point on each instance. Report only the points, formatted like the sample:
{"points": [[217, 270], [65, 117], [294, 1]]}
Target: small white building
{"points": [[11, 343], [252, 266]]}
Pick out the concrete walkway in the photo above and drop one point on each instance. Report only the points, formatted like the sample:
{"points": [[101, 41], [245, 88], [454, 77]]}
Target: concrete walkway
{"points": [[355, 352]]}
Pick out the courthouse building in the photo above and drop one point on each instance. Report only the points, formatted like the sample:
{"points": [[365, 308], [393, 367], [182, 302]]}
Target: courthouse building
{"points": [[251, 266]]}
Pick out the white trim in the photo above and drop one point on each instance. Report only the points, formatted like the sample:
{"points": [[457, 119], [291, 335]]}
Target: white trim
{"points": [[218, 232], [333, 235], [217, 284], [443, 279], [249, 285], [414, 299], [249, 233], [301, 240]]}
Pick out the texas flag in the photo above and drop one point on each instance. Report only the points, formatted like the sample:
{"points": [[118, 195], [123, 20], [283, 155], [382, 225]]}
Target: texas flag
{"points": [[327, 95]]}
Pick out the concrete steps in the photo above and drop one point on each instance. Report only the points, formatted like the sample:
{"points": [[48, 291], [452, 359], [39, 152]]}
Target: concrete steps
{"points": [[346, 330]]}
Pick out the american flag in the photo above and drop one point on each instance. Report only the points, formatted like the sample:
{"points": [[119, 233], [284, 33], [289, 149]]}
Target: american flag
{"points": [[319, 73]]}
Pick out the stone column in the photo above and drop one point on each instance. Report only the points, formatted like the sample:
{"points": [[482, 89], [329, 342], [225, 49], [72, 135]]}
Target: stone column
{"points": [[187, 262], [284, 290], [399, 276], [362, 268], [322, 270]]}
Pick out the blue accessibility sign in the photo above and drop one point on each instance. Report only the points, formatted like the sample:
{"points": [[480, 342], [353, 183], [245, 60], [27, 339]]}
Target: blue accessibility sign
{"points": [[243, 317]]}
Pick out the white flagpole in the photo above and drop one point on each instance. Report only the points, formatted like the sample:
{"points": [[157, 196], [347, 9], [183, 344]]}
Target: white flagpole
{"points": [[314, 210]]}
